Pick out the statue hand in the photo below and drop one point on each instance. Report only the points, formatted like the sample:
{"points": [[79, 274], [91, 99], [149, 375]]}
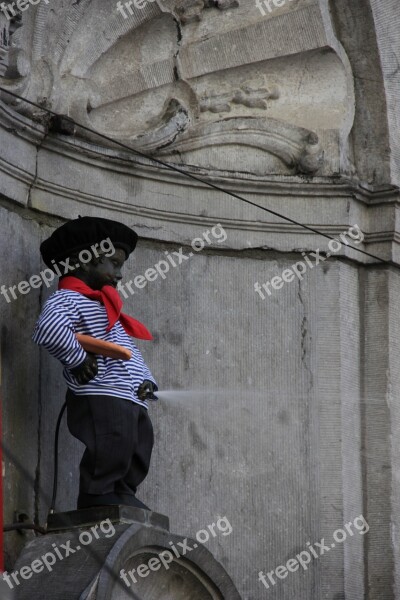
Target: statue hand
{"points": [[146, 390], [86, 371]]}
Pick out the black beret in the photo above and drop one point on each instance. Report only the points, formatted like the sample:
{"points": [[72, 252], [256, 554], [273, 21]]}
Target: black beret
{"points": [[80, 234]]}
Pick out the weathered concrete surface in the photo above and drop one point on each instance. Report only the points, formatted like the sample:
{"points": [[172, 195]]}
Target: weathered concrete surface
{"points": [[272, 435], [285, 417], [386, 23], [20, 375]]}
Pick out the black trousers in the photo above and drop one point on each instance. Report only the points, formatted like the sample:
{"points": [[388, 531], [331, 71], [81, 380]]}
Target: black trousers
{"points": [[118, 435]]}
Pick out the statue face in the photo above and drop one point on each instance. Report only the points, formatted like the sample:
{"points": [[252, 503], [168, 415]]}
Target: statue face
{"points": [[106, 270]]}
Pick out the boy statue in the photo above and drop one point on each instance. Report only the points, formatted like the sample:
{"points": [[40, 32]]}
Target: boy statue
{"points": [[106, 397]]}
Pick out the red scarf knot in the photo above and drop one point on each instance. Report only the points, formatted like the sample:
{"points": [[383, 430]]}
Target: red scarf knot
{"points": [[112, 301]]}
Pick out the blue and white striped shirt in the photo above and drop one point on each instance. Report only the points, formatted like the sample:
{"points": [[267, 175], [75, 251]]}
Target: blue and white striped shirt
{"points": [[66, 313]]}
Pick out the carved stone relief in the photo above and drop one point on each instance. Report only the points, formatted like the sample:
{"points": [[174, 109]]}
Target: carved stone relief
{"points": [[192, 10], [227, 78]]}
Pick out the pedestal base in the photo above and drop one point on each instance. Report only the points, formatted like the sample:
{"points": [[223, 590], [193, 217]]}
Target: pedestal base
{"points": [[117, 514], [116, 553]]}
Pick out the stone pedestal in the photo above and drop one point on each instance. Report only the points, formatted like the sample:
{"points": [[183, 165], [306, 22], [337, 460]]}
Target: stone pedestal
{"points": [[118, 552]]}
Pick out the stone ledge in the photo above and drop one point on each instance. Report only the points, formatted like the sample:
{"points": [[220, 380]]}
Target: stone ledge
{"points": [[117, 514]]}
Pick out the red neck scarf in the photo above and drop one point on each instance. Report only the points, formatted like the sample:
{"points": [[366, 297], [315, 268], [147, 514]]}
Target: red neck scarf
{"points": [[113, 304]]}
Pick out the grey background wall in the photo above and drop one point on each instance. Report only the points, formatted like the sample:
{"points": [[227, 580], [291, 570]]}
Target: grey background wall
{"points": [[284, 414], [274, 436]]}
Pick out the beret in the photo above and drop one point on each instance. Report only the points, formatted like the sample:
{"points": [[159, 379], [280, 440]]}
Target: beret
{"points": [[79, 234]]}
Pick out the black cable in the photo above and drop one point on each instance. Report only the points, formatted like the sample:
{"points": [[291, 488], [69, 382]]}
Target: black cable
{"points": [[89, 549], [190, 175], [55, 475]]}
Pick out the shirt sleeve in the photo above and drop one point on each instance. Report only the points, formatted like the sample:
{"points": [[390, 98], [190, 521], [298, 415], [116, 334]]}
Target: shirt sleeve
{"points": [[147, 375], [55, 330], [143, 369]]}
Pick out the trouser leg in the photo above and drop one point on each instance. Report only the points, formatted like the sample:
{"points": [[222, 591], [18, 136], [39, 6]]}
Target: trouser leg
{"points": [[141, 455], [108, 427]]}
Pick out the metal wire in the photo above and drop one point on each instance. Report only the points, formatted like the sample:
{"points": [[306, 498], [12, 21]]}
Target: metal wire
{"points": [[55, 475], [173, 167]]}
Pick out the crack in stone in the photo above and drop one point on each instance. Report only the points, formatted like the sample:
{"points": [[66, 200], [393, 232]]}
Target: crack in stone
{"points": [[35, 177], [304, 335], [179, 45]]}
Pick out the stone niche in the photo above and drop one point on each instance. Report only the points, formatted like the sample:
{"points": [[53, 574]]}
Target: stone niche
{"points": [[288, 109]]}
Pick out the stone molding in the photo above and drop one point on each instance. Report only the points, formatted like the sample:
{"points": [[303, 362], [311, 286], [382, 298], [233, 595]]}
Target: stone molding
{"points": [[64, 176]]}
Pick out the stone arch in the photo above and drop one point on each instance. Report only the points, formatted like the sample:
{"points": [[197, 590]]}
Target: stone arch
{"points": [[359, 27]]}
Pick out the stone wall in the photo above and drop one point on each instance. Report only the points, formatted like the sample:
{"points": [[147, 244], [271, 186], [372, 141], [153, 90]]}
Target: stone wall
{"points": [[284, 416], [272, 423]]}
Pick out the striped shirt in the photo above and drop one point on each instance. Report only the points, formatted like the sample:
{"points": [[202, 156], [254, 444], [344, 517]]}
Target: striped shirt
{"points": [[66, 313]]}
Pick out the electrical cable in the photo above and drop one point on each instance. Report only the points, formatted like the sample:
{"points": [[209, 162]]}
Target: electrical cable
{"points": [[190, 175], [55, 475], [99, 558]]}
